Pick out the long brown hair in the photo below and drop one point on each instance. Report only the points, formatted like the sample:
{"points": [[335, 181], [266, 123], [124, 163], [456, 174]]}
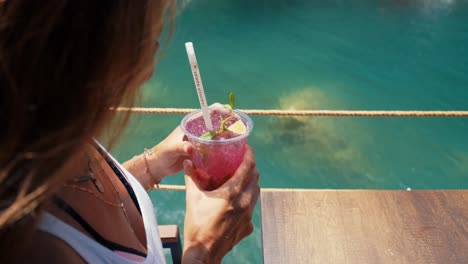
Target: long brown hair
{"points": [[63, 64]]}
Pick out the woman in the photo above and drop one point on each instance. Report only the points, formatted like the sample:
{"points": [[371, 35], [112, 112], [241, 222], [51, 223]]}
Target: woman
{"points": [[63, 198]]}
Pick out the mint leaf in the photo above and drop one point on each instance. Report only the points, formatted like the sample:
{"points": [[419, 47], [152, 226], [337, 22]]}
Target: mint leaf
{"points": [[223, 123], [232, 100], [208, 135]]}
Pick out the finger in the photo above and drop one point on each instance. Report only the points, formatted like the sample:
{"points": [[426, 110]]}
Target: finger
{"points": [[175, 137], [189, 175], [244, 232], [184, 148], [248, 229], [177, 131], [192, 178], [250, 197], [176, 134], [256, 193], [244, 174], [256, 176]]}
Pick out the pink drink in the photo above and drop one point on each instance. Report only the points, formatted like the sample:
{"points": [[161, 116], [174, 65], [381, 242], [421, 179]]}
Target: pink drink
{"points": [[216, 160]]}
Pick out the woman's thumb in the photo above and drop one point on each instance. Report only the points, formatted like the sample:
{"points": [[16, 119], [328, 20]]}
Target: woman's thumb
{"points": [[184, 148]]}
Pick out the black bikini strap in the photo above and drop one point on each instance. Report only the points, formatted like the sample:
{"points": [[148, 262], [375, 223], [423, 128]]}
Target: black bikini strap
{"points": [[91, 231], [119, 174], [124, 181]]}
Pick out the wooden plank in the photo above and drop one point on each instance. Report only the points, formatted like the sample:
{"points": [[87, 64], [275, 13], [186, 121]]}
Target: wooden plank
{"points": [[170, 239], [365, 226], [169, 233]]}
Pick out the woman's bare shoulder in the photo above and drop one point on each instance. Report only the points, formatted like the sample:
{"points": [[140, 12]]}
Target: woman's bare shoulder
{"points": [[47, 248]]}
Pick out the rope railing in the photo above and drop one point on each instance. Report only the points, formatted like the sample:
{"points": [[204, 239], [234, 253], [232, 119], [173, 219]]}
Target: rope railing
{"points": [[335, 113], [274, 112]]}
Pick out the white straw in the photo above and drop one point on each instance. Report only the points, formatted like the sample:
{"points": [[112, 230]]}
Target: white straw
{"points": [[198, 84]]}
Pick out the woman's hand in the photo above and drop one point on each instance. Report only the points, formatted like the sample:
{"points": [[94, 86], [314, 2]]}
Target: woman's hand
{"points": [[162, 160], [215, 221], [168, 156]]}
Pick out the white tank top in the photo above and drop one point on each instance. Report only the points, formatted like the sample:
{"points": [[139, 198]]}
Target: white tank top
{"points": [[93, 252]]}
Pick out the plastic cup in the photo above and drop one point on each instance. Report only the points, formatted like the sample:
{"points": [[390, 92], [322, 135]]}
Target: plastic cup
{"points": [[216, 161]]}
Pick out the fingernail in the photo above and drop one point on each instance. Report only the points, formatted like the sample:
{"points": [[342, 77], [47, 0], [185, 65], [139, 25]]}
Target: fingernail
{"points": [[186, 164], [188, 148]]}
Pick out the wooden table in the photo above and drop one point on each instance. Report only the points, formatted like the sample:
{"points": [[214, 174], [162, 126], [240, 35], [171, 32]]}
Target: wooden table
{"points": [[364, 226]]}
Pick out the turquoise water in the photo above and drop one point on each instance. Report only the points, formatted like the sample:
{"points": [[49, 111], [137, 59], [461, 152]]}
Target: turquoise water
{"points": [[366, 55]]}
